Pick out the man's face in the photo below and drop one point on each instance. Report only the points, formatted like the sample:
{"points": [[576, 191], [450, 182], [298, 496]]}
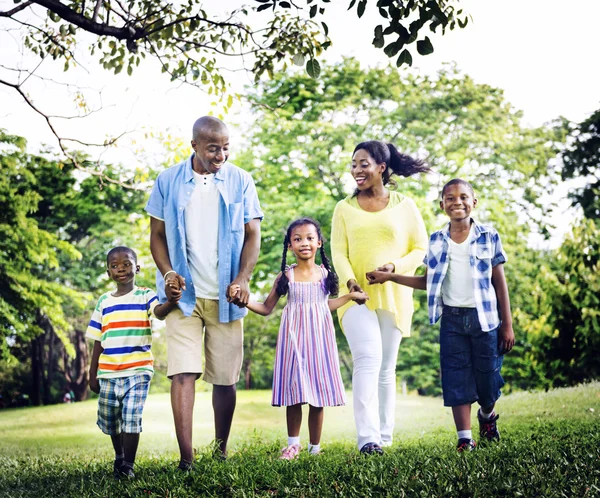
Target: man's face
{"points": [[211, 149]]}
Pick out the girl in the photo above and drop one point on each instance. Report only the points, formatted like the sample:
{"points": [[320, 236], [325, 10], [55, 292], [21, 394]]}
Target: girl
{"points": [[306, 365], [377, 228]]}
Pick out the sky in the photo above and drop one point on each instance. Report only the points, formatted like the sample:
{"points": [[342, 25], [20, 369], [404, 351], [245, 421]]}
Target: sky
{"points": [[542, 53]]}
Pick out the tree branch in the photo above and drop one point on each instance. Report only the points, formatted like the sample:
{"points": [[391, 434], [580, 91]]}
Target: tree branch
{"points": [[60, 140], [10, 13]]}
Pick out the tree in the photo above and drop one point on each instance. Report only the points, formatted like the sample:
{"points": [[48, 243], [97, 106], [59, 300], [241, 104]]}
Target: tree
{"points": [[565, 326], [582, 160], [55, 231], [191, 43]]}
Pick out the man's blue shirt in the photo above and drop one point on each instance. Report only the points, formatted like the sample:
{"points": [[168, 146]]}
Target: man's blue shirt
{"points": [[238, 205]]}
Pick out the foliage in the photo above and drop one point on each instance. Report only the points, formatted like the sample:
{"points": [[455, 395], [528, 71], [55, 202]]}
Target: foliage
{"points": [[65, 217], [187, 39], [27, 252], [565, 327], [550, 447], [582, 159]]}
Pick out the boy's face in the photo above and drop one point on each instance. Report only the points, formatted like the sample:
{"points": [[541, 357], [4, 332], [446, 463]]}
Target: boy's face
{"points": [[458, 202], [122, 268]]}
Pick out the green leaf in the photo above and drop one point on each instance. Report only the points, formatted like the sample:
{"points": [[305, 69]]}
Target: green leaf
{"points": [[393, 48], [325, 28], [360, 10], [298, 60], [313, 68], [424, 47], [313, 11], [264, 7], [405, 58]]}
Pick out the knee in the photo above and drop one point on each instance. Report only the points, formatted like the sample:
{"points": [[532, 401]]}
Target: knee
{"points": [[183, 379]]}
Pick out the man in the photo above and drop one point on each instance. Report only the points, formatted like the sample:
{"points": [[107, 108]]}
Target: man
{"points": [[204, 238]]}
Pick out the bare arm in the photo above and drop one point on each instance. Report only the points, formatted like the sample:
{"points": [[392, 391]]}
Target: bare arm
{"points": [[93, 382], [266, 308], [384, 274], [248, 261], [162, 310], [506, 334], [358, 296], [160, 252]]}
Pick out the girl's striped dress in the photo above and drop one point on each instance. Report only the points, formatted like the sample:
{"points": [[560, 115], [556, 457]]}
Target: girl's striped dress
{"points": [[307, 367]]}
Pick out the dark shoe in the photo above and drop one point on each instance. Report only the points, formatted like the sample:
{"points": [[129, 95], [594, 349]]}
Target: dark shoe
{"points": [[465, 444], [488, 428], [185, 466], [125, 472], [371, 449], [117, 468]]}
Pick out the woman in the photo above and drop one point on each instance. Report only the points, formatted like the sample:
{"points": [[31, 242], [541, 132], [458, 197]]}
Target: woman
{"points": [[376, 228]]}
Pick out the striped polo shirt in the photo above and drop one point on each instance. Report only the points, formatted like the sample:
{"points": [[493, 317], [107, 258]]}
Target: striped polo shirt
{"points": [[122, 325]]}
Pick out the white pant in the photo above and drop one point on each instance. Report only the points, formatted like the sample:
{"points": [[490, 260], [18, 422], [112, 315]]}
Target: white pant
{"points": [[374, 339]]}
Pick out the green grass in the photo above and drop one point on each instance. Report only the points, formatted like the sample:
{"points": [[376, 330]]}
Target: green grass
{"points": [[550, 447]]}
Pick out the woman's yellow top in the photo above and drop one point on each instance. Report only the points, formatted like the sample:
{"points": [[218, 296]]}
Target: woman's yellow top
{"points": [[362, 241]]}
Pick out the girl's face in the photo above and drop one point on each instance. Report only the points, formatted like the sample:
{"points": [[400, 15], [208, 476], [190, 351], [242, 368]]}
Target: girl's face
{"points": [[365, 170], [458, 201], [304, 241], [122, 268]]}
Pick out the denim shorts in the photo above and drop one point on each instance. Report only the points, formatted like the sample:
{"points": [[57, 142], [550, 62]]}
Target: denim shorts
{"points": [[121, 403], [470, 359]]}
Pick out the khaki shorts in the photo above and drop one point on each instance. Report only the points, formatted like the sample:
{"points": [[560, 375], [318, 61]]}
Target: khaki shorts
{"points": [[222, 343]]}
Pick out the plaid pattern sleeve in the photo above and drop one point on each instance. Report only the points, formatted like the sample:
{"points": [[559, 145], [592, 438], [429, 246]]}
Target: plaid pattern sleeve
{"points": [[485, 252]]}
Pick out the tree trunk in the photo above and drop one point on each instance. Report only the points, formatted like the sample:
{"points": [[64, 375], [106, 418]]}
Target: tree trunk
{"points": [[248, 375], [36, 370], [75, 369], [48, 359]]}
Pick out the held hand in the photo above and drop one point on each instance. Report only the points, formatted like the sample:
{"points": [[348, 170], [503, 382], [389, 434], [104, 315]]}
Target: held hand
{"points": [[381, 274], [378, 276], [238, 292], [354, 287], [94, 384], [174, 284], [357, 296], [506, 338]]}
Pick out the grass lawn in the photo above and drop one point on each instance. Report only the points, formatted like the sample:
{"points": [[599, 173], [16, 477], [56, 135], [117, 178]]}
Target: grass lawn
{"points": [[550, 447]]}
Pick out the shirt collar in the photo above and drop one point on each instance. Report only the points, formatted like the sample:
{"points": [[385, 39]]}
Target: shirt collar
{"points": [[219, 175], [478, 229]]}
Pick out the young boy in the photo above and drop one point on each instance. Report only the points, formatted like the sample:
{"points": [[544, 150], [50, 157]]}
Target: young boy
{"points": [[121, 366], [466, 286]]}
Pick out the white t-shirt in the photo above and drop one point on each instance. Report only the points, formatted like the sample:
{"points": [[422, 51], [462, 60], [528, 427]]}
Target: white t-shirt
{"points": [[457, 287], [201, 236]]}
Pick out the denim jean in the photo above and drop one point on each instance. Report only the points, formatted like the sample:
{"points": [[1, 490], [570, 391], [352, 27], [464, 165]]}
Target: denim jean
{"points": [[470, 359]]}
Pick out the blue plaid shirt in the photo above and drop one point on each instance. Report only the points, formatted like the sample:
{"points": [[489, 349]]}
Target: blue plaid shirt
{"points": [[485, 252]]}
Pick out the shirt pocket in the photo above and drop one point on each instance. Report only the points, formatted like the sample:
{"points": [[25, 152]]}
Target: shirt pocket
{"points": [[236, 216], [483, 259]]}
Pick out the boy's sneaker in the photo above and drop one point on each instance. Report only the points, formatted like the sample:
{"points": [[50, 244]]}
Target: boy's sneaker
{"points": [[125, 471], [290, 452], [185, 466], [117, 468], [371, 449], [488, 429], [465, 444]]}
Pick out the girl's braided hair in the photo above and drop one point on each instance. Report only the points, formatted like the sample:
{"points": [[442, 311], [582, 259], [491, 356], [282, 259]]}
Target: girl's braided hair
{"points": [[331, 283]]}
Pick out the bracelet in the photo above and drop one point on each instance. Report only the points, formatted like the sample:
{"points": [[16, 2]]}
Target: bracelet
{"points": [[170, 271]]}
